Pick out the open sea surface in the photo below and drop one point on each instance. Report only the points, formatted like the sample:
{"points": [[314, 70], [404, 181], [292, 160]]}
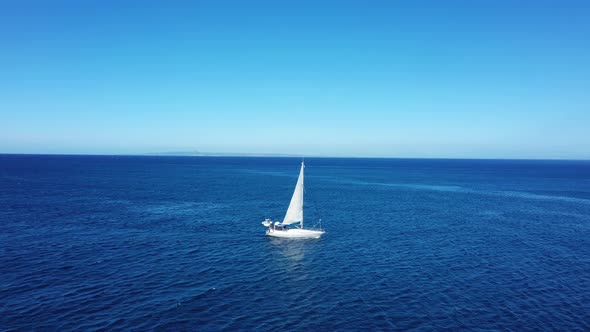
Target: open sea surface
{"points": [[176, 243]]}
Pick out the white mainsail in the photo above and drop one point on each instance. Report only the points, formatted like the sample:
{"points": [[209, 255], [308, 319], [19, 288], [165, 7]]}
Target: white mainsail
{"points": [[295, 211]]}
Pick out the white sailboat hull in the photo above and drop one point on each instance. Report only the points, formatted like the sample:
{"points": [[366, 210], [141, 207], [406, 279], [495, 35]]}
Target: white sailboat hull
{"points": [[295, 233]]}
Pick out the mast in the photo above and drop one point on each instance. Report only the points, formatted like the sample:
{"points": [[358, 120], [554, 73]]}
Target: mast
{"points": [[302, 189]]}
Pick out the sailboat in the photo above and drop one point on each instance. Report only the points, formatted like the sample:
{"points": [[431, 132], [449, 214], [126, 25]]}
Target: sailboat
{"points": [[294, 215]]}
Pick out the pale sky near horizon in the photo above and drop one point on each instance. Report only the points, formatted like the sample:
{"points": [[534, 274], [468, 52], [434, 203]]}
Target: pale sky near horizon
{"points": [[456, 79]]}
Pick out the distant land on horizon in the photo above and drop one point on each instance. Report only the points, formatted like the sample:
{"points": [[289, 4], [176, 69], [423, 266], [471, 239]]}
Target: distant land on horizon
{"points": [[219, 154]]}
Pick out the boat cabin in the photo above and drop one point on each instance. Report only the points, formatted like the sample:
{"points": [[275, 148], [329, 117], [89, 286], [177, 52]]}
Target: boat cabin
{"points": [[279, 227]]}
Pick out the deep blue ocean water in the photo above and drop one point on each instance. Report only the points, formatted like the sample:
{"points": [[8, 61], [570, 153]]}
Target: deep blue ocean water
{"points": [[176, 243]]}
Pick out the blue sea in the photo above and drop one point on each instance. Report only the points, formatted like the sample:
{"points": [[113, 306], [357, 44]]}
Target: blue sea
{"points": [[176, 244]]}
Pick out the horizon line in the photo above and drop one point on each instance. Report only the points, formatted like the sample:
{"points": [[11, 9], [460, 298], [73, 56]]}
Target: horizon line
{"points": [[272, 155]]}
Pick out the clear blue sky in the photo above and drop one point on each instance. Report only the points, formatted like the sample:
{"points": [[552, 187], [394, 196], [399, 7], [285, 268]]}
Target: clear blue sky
{"points": [[466, 79]]}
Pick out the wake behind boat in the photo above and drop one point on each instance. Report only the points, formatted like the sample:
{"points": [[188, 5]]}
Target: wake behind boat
{"points": [[294, 215]]}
